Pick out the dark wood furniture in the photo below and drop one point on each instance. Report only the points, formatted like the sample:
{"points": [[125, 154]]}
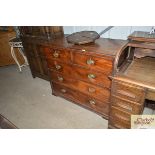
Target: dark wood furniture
{"points": [[105, 77], [82, 73], [131, 86], [37, 62]]}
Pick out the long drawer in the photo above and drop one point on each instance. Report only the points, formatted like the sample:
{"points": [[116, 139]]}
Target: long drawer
{"points": [[102, 64], [78, 73], [126, 105], [80, 98], [103, 94]]}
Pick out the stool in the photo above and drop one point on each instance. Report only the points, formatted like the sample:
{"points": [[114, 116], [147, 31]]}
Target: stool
{"points": [[16, 43]]}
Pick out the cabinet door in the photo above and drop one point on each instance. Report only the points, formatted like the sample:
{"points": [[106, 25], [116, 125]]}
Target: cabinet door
{"points": [[37, 63]]}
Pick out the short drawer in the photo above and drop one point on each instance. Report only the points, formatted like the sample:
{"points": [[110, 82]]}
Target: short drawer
{"points": [[128, 91], [57, 54], [128, 106], [82, 74], [80, 98], [101, 64], [102, 94], [115, 123], [119, 118], [119, 114]]}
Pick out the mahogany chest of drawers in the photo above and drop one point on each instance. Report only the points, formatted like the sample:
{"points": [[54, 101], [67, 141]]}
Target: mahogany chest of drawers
{"points": [[81, 74]]}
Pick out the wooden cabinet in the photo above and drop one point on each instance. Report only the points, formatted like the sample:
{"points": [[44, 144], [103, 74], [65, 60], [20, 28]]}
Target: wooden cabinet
{"points": [[37, 62], [36, 59]]}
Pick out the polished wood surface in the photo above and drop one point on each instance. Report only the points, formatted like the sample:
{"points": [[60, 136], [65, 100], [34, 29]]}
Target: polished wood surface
{"points": [[126, 105], [141, 72], [82, 70], [85, 87], [77, 97], [100, 64], [119, 119], [132, 85], [5, 49], [80, 73]]}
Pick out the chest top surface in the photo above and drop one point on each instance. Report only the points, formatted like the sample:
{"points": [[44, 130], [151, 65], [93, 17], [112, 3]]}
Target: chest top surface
{"points": [[101, 46]]}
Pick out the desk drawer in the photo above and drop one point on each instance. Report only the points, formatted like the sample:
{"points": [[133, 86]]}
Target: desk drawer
{"points": [[80, 98], [119, 118], [128, 106], [101, 64], [102, 94], [57, 54], [119, 124], [128, 91], [82, 74]]}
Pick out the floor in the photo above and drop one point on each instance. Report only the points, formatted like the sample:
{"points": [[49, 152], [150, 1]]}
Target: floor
{"points": [[28, 103]]}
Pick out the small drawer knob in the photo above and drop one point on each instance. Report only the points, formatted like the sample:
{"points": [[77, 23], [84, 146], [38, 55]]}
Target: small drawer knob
{"points": [[60, 78], [90, 62], [91, 76], [56, 54], [63, 90], [91, 90], [92, 102], [57, 67], [83, 50]]}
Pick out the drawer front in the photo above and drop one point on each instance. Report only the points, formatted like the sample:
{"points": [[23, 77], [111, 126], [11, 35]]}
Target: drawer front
{"points": [[119, 118], [80, 98], [91, 62], [57, 54], [128, 106], [115, 123], [86, 88], [128, 91], [80, 73]]}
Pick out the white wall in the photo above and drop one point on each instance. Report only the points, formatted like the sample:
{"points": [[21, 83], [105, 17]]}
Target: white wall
{"points": [[117, 32]]}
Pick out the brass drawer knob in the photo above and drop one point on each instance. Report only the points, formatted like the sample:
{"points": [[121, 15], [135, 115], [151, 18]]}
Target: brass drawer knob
{"points": [[92, 102], [90, 62], [91, 76], [57, 67], [56, 54], [91, 90], [63, 90], [60, 78]]}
